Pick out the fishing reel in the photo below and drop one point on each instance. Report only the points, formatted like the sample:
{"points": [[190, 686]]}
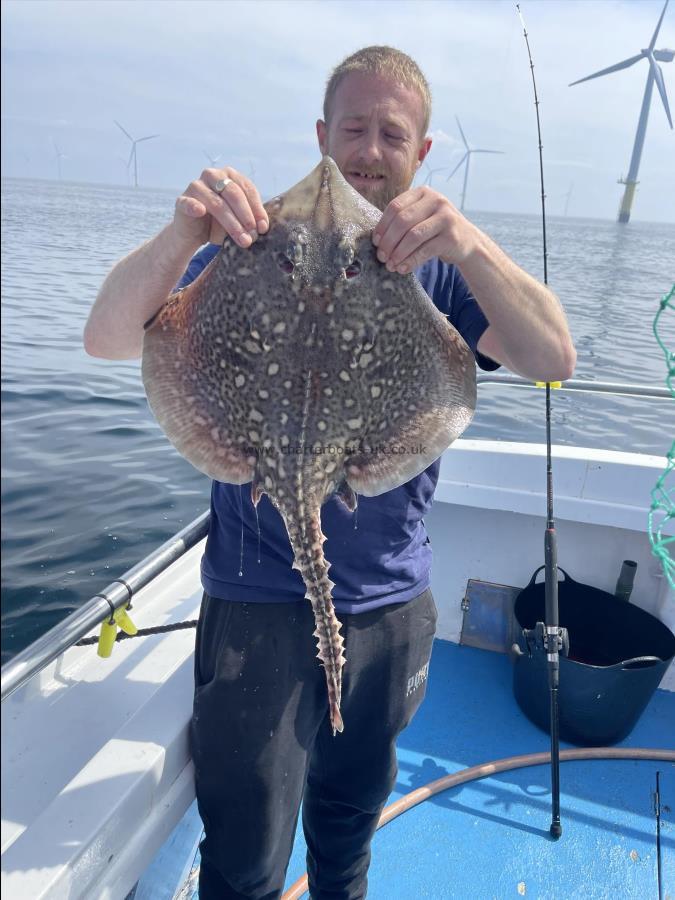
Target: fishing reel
{"points": [[550, 639]]}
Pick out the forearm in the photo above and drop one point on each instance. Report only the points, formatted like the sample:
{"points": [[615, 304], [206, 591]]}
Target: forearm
{"points": [[132, 293], [529, 331]]}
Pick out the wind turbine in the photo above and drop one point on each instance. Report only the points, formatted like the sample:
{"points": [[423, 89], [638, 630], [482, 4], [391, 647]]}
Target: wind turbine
{"points": [[467, 158], [132, 155], [59, 157], [567, 198], [431, 172], [125, 163], [212, 159], [655, 75]]}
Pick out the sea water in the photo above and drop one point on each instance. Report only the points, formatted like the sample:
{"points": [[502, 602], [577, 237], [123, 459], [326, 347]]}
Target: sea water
{"points": [[90, 485]]}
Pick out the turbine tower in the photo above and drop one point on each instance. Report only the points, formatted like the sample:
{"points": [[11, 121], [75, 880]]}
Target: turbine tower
{"points": [[467, 158], [655, 75], [125, 163], [59, 157], [132, 155]]}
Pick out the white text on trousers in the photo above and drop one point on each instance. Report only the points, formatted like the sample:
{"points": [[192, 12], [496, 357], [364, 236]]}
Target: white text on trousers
{"points": [[417, 679]]}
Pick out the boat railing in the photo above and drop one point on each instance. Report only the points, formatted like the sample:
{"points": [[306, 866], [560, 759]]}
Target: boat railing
{"points": [[100, 607], [581, 385], [118, 593]]}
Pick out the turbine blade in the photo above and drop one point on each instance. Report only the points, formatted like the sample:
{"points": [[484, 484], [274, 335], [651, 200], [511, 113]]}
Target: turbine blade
{"points": [[658, 78], [131, 155], [652, 43], [461, 132], [147, 138], [622, 65], [488, 151], [457, 166], [433, 172], [123, 129]]}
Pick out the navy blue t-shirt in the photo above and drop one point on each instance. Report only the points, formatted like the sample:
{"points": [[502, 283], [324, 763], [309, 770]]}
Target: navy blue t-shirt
{"points": [[379, 554]]}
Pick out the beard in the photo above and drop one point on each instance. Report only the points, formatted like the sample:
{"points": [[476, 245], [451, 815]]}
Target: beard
{"points": [[382, 192], [381, 195]]}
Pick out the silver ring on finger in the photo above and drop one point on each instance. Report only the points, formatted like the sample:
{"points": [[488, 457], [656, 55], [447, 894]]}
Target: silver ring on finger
{"points": [[221, 184]]}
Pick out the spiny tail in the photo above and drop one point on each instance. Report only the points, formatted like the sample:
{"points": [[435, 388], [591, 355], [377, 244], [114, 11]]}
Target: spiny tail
{"points": [[307, 539]]}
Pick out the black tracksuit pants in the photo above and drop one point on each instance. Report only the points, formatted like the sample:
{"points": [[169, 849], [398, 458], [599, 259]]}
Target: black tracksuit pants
{"points": [[262, 741]]}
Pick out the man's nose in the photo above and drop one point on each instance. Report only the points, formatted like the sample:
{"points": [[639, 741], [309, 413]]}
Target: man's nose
{"points": [[371, 150]]}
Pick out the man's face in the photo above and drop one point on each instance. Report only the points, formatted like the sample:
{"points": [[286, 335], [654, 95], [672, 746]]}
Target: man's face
{"points": [[374, 135]]}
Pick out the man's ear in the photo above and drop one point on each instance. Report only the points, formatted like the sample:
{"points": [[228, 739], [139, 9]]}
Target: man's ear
{"points": [[321, 135], [422, 152]]}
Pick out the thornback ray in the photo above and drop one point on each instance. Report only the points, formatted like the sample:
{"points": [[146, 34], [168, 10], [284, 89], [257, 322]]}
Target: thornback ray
{"points": [[302, 365]]}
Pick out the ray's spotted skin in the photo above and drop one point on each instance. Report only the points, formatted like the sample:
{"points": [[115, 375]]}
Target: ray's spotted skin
{"points": [[305, 367]]}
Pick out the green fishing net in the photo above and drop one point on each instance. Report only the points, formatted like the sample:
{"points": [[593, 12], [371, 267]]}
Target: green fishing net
{"points": [[662, 510]]}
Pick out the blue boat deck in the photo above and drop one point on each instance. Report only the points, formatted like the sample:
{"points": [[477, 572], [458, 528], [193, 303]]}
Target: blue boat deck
{"points": [[489, 838]]}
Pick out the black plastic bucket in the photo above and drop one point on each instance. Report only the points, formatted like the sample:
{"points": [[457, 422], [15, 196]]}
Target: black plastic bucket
{"points": [[618, 654]]}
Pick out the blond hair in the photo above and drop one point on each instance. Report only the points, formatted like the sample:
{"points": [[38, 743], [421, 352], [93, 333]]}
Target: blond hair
{"points": [[381, 60]]}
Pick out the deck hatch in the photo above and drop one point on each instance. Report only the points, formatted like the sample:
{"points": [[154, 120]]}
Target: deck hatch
{"points": [[488, 621]]}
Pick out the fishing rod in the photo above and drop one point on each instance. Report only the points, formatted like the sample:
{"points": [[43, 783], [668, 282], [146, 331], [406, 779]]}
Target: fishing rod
{"points": [[548, 635]]}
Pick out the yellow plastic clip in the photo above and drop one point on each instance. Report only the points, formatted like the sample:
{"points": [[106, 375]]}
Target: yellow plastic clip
{"points": [[119, 619], [554, 384]]}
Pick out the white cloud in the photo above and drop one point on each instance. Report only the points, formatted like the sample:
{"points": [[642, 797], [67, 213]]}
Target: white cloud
{"points": [[441, 137]]}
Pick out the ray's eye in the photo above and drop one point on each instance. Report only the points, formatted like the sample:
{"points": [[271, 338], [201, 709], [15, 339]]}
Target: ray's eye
{"points": [[353, 269], [296, 247], [285, 264]]}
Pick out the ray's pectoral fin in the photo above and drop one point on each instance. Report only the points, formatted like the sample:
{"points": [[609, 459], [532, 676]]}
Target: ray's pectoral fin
{"points": [[410, 430], [387, 461], [185, 404]]}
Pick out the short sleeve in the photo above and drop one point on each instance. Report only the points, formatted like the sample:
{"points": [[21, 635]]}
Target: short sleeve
{"points": [[451, 295], [469, 319], [197, 264]]}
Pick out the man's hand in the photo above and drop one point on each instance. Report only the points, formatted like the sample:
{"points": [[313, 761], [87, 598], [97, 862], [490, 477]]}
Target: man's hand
{"points": [[140, 283], [204, 215], [528, 331], [419, 225]]}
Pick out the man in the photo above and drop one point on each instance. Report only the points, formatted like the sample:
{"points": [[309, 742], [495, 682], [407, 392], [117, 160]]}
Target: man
{"points": [[261, 739]]}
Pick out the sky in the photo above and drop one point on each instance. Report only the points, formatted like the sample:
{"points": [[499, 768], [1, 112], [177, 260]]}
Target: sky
{"points": [[244, 81]]}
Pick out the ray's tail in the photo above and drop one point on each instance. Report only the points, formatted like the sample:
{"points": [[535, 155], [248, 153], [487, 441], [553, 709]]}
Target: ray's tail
{"points": [[307, 540]]}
